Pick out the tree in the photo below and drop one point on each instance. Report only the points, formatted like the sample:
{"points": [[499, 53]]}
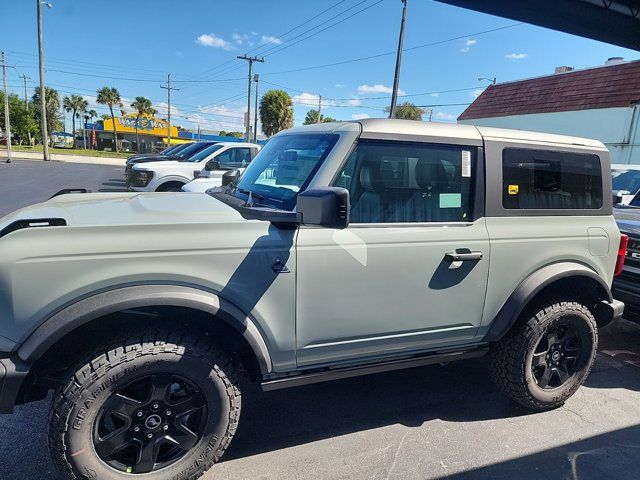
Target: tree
{"points": [[276, 112], [312, 117], [142, 106], [407, 111], [111, 97], [23, 121], [52, 103], [223, 133], [75, 104]]}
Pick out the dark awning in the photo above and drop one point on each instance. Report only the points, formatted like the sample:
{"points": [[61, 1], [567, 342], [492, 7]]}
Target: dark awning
{"points": [[612, 21]]}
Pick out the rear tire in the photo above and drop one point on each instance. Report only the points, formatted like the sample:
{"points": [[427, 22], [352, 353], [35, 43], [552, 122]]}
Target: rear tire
{"points": [[546, 355], [164, 406]]}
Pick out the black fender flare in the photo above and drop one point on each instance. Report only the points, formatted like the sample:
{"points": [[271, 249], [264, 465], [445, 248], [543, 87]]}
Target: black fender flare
{"points": [[89, 308], [533, 284]]}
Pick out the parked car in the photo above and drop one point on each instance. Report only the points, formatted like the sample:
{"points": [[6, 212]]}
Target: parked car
{"points": [[168, 176], [212, 178], [173, 149], [626, 182], [345, 249], [626, 286], [185, 151]]}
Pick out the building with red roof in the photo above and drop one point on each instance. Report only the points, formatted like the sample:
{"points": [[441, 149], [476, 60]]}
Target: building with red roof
{"points": [[600, 103]]}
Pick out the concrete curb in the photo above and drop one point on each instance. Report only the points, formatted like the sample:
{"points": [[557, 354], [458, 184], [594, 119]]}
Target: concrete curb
{"points": [[20, 155]]}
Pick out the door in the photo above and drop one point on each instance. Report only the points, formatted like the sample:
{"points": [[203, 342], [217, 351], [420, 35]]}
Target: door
{"points": [[410, 272]]}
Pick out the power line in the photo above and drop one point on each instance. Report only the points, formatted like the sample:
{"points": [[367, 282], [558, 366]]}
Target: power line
{"points": [[384, 54]]}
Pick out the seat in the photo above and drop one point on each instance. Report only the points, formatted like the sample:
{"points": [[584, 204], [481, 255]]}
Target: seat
{"points": [[431, 177], [367, 208]]}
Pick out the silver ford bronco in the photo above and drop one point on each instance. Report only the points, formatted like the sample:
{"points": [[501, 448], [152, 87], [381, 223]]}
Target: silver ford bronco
{"points": [[344, 249]]}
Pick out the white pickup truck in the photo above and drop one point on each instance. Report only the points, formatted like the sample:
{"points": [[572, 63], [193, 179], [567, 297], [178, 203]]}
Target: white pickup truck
{"points": [[171, 176]]}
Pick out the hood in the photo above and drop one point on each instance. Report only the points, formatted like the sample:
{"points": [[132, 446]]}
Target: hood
{"points": [[151, 158], [115, 209]]}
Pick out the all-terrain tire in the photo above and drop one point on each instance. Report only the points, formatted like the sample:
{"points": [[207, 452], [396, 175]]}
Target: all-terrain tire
{"points": [[77, 404], [511, 359]]}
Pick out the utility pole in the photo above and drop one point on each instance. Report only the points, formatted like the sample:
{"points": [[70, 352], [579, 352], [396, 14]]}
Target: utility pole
{"points": [[169, 88], [256, 78], [26, 77], [43, 105], [319, 108], [248, 120], [396, 78], [7, 123]]}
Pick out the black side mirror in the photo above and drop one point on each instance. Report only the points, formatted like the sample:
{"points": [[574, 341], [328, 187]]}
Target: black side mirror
{"points": [[212, 165], [230, 176], [325, 206]]}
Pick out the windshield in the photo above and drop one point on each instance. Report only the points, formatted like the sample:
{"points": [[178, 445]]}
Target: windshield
{"points": [[202, 154], [284, 167], [628, 180], [191, 149], [170, 150]]}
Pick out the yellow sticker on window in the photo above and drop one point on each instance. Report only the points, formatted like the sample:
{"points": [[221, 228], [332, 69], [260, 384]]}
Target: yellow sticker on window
{"points": [[513, 189]]}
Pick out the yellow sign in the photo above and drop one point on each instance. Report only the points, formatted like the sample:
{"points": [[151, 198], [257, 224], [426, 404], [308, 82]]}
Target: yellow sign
{"points": [[513, 189], [147, 125]]}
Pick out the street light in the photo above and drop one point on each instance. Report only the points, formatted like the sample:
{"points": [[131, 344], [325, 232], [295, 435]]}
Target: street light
{"points": [[43, 106], [492, 80]]}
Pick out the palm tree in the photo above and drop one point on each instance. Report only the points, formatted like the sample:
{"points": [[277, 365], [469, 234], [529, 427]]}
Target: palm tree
{"points": [[276, 112], [142, 107], [74, 104], [111, 97]]}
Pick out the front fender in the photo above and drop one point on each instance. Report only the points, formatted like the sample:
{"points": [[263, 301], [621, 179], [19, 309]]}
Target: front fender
{"points": [[532, 285], [83, 311]]}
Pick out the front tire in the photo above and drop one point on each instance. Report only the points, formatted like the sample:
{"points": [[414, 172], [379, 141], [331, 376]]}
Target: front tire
{"points": [[546, 355], [165, 407]]}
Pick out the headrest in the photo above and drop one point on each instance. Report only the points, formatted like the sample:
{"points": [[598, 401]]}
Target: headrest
{"points": [[430, 173], [290, 156], [370, 177]]}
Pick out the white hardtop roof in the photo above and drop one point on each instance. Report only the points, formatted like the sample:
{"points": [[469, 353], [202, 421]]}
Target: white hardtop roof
{"points": [[456, 132]]}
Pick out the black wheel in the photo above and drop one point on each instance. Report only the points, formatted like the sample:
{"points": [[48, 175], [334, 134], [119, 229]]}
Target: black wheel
{"points": [[165, 408], [170, 187], [547, 354]]}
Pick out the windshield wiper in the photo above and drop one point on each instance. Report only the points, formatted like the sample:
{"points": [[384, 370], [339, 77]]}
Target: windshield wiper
{"points": [[249, 192]]}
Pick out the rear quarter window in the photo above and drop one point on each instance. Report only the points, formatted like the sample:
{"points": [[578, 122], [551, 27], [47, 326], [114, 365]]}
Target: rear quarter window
{"points": [[550, 180]]}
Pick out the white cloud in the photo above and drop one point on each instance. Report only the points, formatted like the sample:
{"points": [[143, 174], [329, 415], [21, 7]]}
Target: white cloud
{"points": [[271, 39], [469, 42], [359, 116], [377, 88], [516, 56], [476, 93], [239, 38], [212, 40], [435, 94], [339, 85], [354, 102], [444, 116], [307, 99]]}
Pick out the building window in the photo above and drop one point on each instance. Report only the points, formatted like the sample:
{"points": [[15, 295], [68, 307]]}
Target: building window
{"points": [[397, 182], [550, 180]]}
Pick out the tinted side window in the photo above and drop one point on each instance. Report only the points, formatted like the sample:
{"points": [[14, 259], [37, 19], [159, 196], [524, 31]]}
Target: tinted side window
{"points": [[393, 182], [550, 180]]}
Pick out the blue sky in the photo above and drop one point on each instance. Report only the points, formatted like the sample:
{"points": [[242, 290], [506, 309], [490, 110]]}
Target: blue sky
{"points": [[132, 45]]}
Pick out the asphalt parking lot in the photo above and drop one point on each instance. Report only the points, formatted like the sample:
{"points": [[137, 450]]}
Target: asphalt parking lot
{"points": [[427, 423]]}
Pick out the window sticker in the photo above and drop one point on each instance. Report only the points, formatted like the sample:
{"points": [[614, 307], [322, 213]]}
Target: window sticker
{"points": [[513, 189], [466, 163], [450, 200]]}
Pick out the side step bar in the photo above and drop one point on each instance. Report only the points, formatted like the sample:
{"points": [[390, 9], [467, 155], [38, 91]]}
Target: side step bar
{"points": [[367, 369]]}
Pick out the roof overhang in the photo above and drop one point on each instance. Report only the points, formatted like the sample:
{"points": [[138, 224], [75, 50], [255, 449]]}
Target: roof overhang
{"points": [[612, 21]]}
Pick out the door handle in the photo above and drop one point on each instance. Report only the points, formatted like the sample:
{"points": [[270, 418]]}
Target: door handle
{"points": [[463, 257]]}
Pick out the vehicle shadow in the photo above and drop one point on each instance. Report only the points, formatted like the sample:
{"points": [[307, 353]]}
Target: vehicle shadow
{"points": [[459, 392], [612, 455]]}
